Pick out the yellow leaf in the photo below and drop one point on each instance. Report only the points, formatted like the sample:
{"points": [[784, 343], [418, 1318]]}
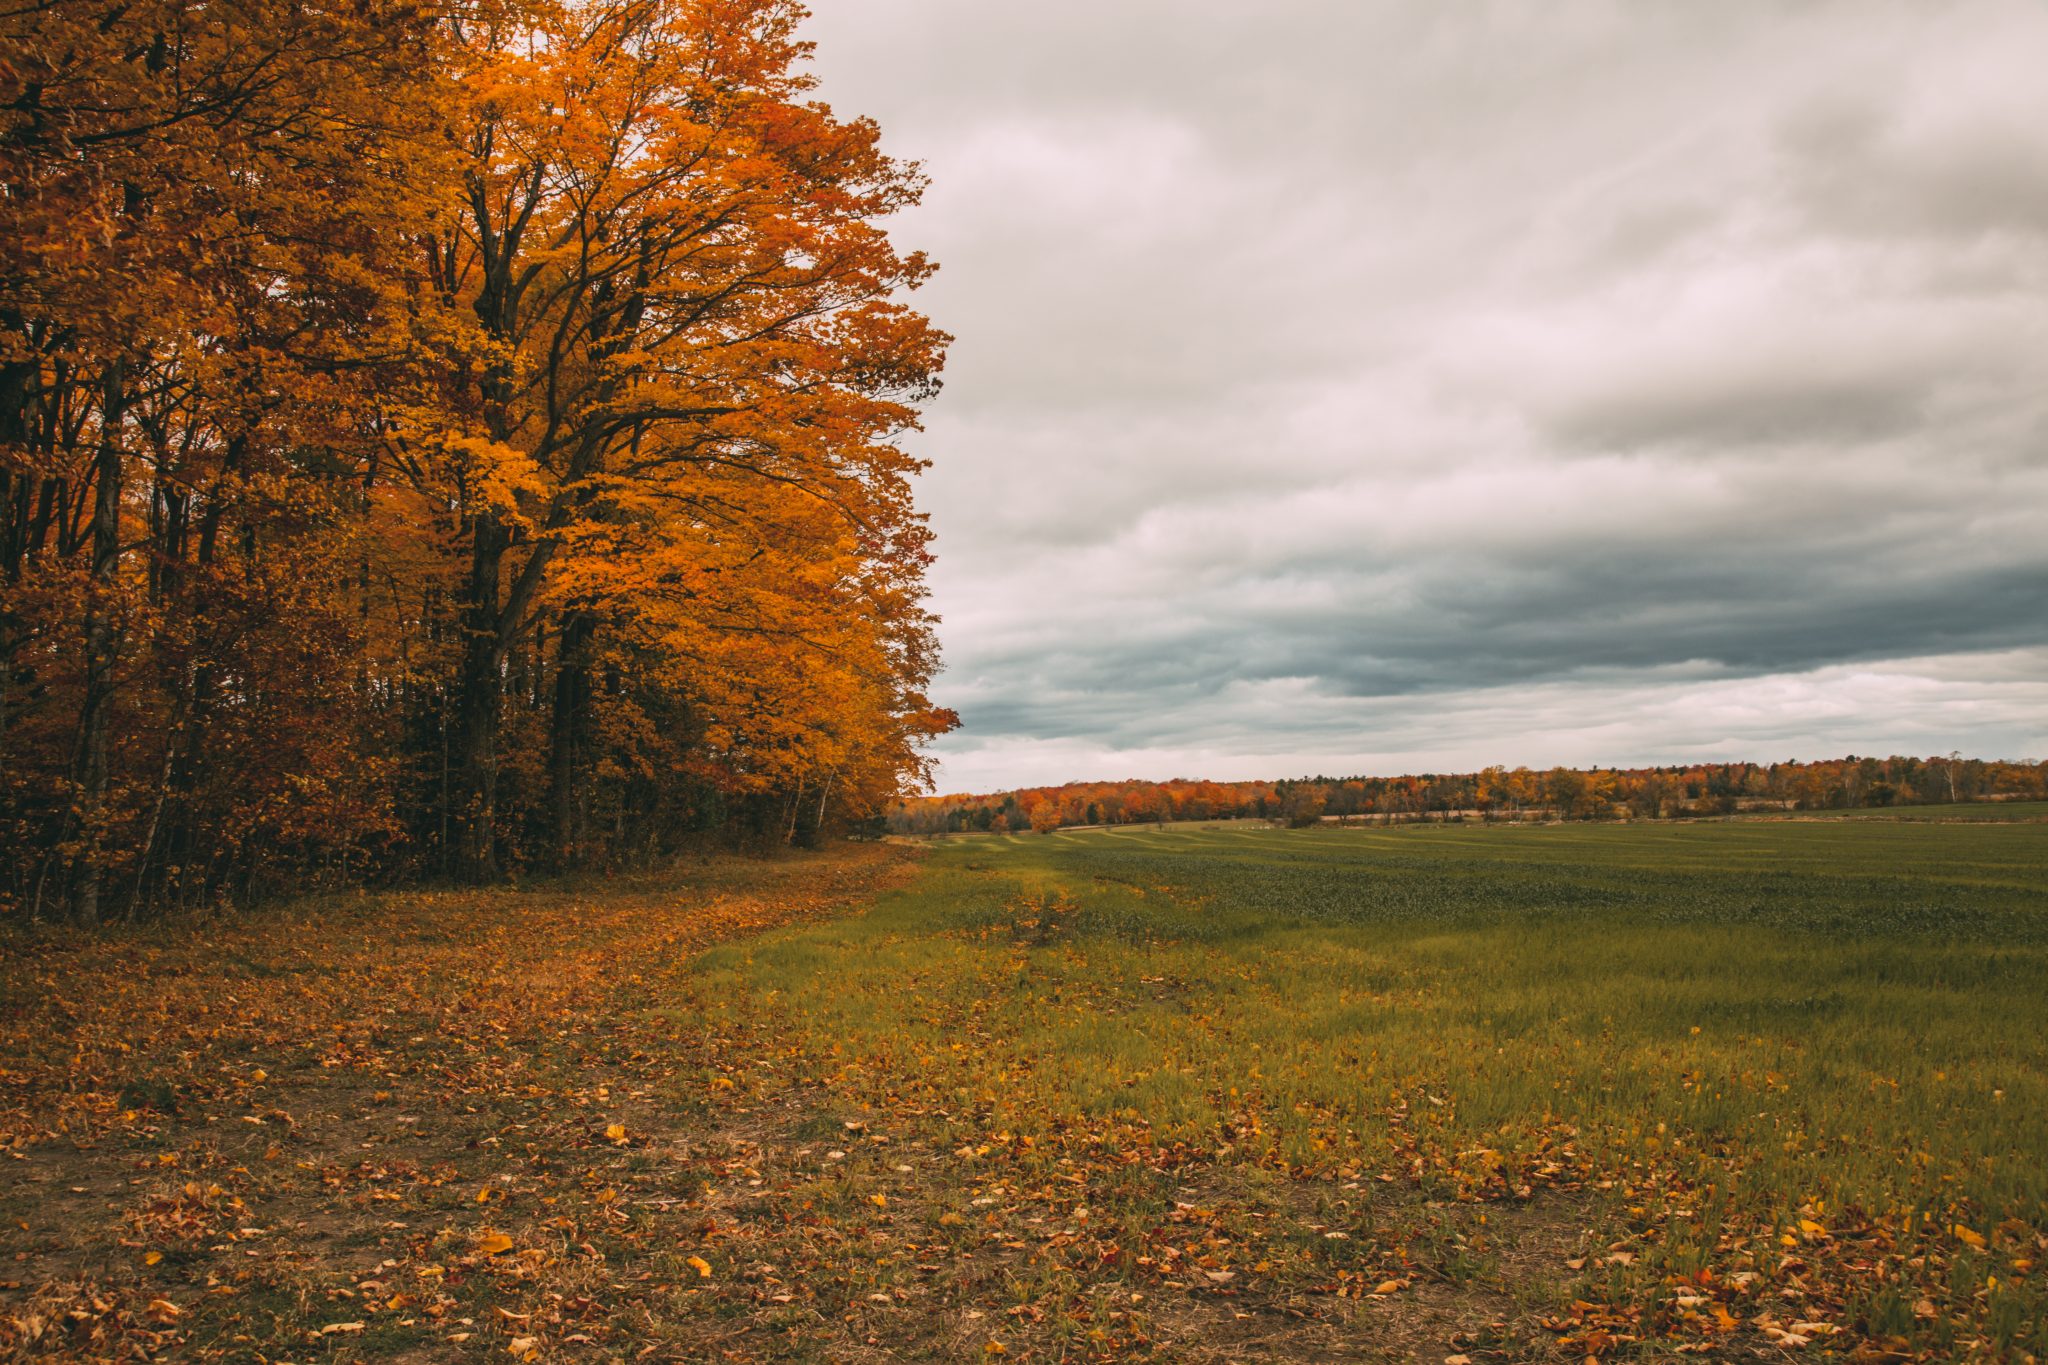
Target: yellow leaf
{"points": [[880, 1201], [1388, 1287], [615, 1132], [152, 1257], [493, 1244], [1968, 1237], [701, 1266]]}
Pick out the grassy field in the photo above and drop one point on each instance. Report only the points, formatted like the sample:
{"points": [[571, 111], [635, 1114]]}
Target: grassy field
{"points": [[1987, 811], [1738, 1089], [1751, 1085]]}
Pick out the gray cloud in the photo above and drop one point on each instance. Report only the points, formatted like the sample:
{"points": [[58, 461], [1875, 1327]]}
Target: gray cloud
{"points": [[1476, 379]]}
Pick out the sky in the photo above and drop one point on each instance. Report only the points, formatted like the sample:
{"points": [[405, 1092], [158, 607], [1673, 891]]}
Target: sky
{"points": [[1360, 387]]}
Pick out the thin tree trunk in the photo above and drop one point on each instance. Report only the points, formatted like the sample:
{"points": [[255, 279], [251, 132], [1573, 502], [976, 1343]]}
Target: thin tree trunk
{"points": [[796, 805], [569, 740], [818, 827], [479, 690], [16, 393], [91, 773], [137, 906]]}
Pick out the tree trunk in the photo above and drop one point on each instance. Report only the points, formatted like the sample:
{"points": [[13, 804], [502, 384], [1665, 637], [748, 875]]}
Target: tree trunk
{"points": [[479, 689], [569, 751], [91, 772], [16, 390]]}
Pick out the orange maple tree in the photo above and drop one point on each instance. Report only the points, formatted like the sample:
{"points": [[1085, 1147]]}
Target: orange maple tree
{"points": [[446, 439]]}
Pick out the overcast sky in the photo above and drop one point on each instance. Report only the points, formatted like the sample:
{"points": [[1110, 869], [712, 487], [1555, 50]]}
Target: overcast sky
{"points": [[1377, 387]]}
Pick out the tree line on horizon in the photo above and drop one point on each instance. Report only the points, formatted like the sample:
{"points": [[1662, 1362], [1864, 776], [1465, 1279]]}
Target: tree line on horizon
{"points": [[442, 438], [1495, 793]]}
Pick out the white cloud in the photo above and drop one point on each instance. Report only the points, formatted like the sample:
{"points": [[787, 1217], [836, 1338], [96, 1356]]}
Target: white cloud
{"points": [[1990, 704], [1335, 369]]}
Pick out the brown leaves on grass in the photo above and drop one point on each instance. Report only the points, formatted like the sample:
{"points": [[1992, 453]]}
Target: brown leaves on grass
{"points": [[516, 1125], [360, 1119], [81, 1320]]}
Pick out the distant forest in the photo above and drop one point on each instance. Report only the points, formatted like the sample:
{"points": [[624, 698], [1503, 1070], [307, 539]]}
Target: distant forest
{"points": [[1494, 794]]}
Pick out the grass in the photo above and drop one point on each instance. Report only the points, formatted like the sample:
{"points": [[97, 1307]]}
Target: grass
{"points": [[1792, 1072], [1736, 1088], [1972, 812]]}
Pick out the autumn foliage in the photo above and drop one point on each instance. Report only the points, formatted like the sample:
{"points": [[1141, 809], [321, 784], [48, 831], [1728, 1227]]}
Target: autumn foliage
{"points": [[443, 438], [1701, 789]]}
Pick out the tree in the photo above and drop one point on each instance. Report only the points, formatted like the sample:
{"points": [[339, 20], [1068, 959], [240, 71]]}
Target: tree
{"points": [[685, 303], [1565, 789], [1301, 804], [191, 197], [443, 436]]}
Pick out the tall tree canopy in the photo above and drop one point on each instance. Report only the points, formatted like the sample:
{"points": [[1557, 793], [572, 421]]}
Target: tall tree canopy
{"points": [[443, 437]]}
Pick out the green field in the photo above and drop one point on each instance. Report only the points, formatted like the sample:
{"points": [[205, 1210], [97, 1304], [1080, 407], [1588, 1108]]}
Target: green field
{"points": [[1976, 812], [1739, 1086]]}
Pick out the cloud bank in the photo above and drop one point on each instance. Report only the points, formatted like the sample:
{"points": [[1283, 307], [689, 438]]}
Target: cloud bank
{"points": [[1370, 386]]}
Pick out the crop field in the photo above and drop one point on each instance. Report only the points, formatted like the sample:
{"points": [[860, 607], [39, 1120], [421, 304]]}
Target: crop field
{"points": [[1738, 1090], [1966, 814]]}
